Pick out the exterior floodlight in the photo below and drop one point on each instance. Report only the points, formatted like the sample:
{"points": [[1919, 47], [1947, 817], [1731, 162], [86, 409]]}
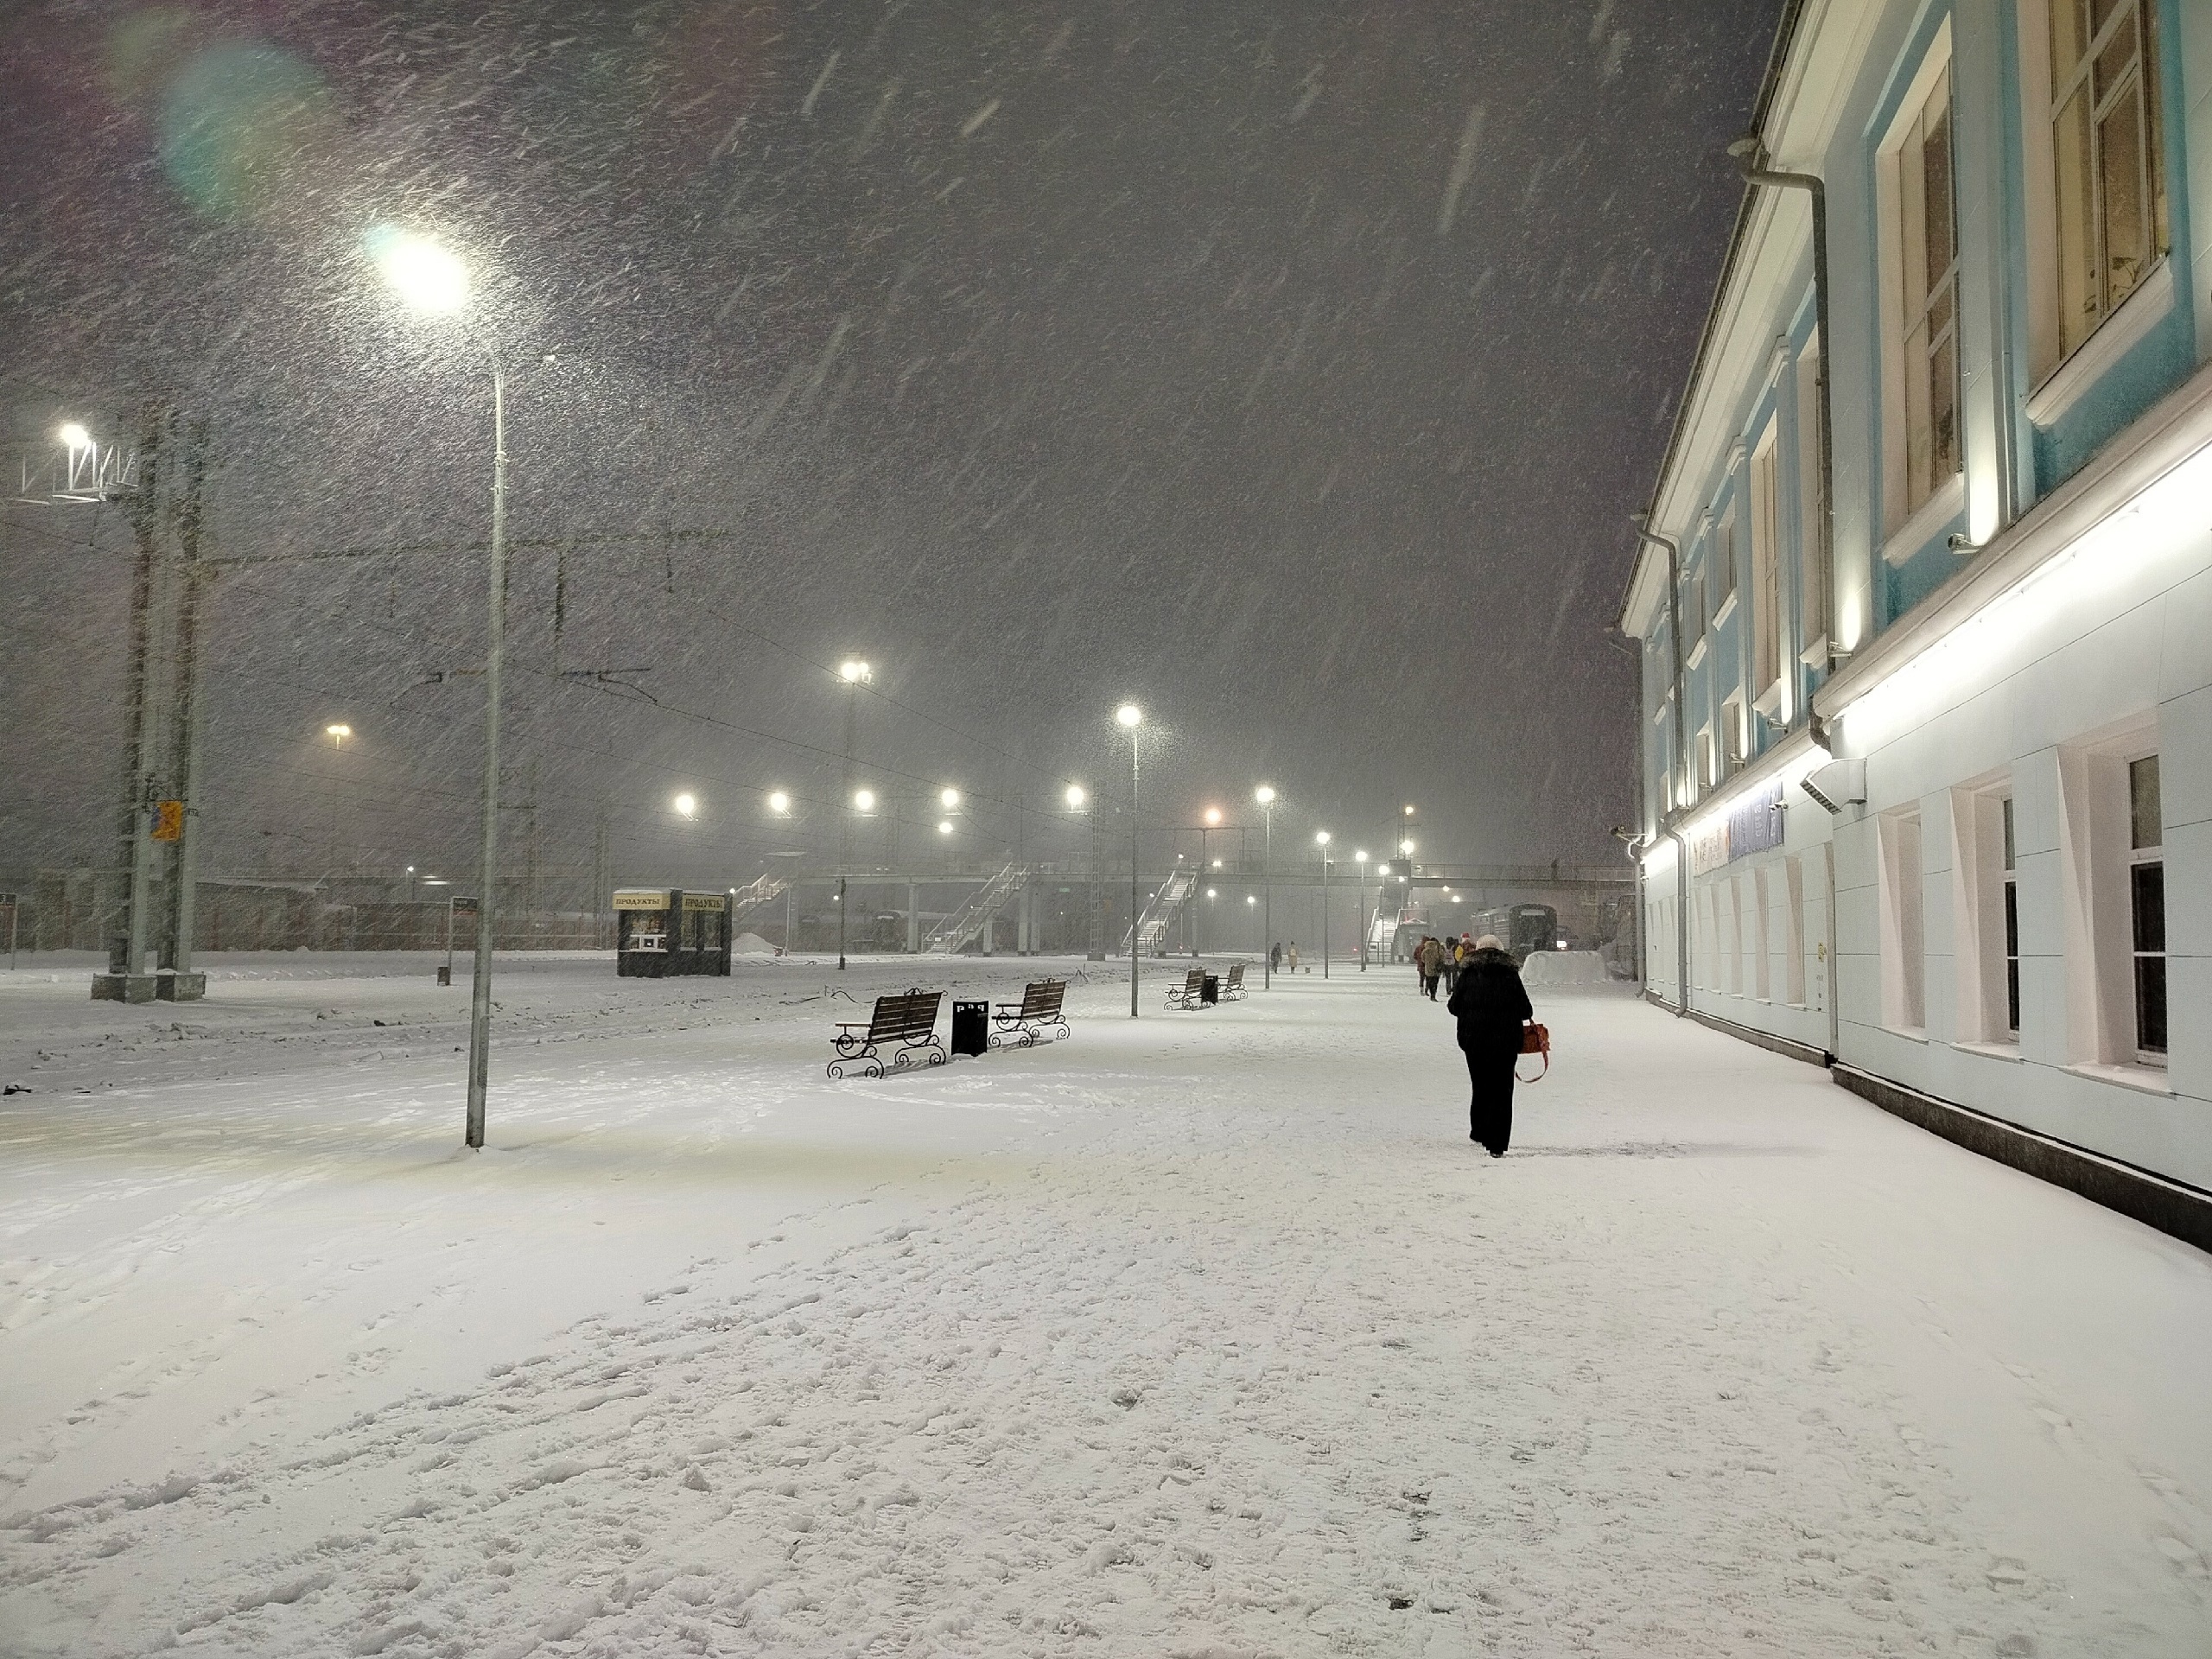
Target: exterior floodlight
{"points": [[430, 278], [1265, 794], [1211, 893], [687, 804], [864, 799], [948, 798], [1251, 899], [1410, 811], [780, 802], [856, 672], [1130, 716], [1406, 846], [1213, 816], [1359, 858], [944, 827], [72, 433], [337, 732], [1216, 863], [1321, 838], [1076, 796]]}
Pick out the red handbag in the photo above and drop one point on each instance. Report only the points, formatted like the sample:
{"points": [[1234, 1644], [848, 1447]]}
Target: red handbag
{"points": [[1536, 1039]]}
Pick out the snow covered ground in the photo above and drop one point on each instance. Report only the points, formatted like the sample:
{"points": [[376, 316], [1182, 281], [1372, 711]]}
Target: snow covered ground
{"points": [[1208, 1333]]}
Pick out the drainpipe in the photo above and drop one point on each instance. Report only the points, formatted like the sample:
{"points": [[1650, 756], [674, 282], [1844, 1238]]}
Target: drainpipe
{"points": [[1750, 156], [1681, 748]]}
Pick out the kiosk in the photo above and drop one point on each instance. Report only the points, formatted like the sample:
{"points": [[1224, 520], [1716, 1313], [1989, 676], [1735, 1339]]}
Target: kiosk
{"points": [[664, 931]]}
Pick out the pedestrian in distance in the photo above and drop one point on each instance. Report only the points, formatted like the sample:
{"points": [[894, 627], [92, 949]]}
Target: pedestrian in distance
{"points": [[1432, 966], [1492, 1005], [1291, 956], [1274, 956]]}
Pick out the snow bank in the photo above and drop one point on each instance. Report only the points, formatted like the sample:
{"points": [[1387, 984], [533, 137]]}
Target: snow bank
{"points": [[1564, 968], [751, 944]]}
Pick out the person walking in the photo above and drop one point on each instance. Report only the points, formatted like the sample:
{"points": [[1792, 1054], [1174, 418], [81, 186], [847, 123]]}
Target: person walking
{"points": [[1490, 1005], [1275, 957], [1432, 966], [1291, 956]]}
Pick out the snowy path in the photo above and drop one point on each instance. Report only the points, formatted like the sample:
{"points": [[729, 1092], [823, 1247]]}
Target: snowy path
{"points": [[1202, 1335]]}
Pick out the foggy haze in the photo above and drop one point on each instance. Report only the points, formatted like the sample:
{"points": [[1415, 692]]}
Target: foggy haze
{"points": [[1288, 369]]}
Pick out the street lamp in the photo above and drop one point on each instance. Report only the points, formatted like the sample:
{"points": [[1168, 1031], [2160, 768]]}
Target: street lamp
{"points": [[779, 803], [1212, 820], [948, 798], [434, 281], [1266, 797], [944, 827], [686, 806], [1130, 718], [1359, 908], [74, 435], [855, 673], [1321, 839], [337, 732]]}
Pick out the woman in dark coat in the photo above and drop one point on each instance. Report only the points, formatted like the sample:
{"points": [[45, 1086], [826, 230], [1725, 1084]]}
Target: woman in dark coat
{"points": [[1491, 1003]]}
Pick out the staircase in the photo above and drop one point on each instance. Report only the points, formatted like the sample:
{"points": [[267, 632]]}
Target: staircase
{"points": [[767, 890], [1159, 914], [966, 924]]}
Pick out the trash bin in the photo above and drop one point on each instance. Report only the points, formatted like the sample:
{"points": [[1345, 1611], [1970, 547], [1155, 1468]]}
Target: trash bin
{"points": [[971, 1028], [1209, 990]]}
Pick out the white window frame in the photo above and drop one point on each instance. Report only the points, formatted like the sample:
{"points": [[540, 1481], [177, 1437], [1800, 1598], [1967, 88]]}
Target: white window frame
{"points": [[2096, 913], [1907, 526], [2060, 376], [1903, 922], [1769, 651], [1793, 931], [1814, 577], [1979, 878]]}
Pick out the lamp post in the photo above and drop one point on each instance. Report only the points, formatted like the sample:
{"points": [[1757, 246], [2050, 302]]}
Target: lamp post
{"points": [[856, 674], [1321, 839], [1211, 820], [1095, 951], [1359, 908], [1131, 717], [434, 283], [1266, 797]]}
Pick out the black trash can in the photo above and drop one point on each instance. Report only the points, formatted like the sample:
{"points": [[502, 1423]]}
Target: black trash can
{"points": [[971, 1028], [1209, 990]]}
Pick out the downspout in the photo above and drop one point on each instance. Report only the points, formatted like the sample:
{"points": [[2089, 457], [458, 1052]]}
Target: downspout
{"points": [[1681, 851], [1750, 156]]}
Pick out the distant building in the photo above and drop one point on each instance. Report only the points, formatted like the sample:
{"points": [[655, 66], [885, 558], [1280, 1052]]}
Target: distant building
{"points": [[1927, 750]]}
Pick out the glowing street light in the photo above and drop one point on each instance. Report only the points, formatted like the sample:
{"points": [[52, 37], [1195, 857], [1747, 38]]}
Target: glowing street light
{"points": [[74, 435], [1075, 796], [338, 731], [434, 281], [1407, 846], [1321, 839], [863, 800], [948, 798], [853, 671], [429, 277], [779, 803], [1266, 797], [945, 827], [1130, 718], [686, 806]]}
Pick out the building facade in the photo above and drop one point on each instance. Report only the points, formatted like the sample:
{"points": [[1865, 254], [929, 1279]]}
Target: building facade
{"points": [[1925, 593]]}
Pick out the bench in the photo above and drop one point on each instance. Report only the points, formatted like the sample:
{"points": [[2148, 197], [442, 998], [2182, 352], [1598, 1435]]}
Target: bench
{"points": [[1232, 986], [908, 1018], [1037, 1013], [1186, 994]]}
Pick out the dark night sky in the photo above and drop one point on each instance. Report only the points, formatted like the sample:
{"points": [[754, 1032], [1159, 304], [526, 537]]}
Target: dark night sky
{"points": [[1290, 368]]}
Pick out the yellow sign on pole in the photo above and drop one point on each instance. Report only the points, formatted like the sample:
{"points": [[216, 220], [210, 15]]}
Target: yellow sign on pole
{"points": [[168, 821]]}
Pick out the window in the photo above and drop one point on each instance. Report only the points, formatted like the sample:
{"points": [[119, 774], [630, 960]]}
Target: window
{"points": [[1904, 1003], [1928, 297], [1793, 960], [1762, 962], [1694, 617], [1812, 502], [2147, 895], [2107, 170], [1766, 581], [1722, 562], [1732, 921], [2012, 923], [1736, 731]]}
